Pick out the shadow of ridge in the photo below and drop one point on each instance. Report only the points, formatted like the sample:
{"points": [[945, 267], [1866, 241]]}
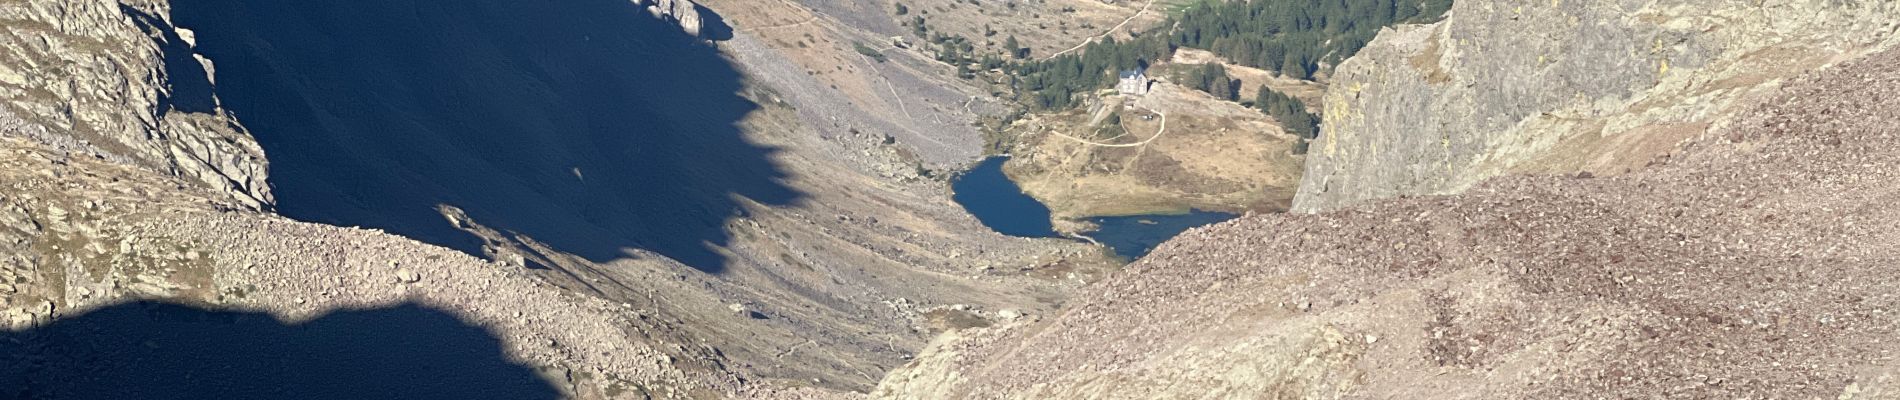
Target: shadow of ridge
{"points": [[712, 26], [587, 125], [190, 86], [158, 350]]}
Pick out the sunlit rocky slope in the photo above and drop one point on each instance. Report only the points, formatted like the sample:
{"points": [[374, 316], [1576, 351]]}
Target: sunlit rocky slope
{"points": [[632, 198], [1756, 262]]}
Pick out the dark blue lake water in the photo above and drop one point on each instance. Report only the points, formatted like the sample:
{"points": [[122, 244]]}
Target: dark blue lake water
{"points": [[996, 201], [999, 203], [1134, 236]]}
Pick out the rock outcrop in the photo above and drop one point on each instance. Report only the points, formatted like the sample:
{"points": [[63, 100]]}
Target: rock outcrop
{"points": [[684, 13], [1757, 263], [1561, 87], [119, 82]]}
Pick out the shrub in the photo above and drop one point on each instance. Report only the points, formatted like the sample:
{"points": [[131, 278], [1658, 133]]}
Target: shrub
{"points": [[868, 51]]}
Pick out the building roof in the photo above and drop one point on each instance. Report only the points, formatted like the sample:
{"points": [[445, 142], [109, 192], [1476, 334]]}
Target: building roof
{"points": [[1128, 74]]}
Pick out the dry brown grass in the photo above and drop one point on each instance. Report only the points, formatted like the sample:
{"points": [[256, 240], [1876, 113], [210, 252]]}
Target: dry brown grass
{"points": [[1426, 62], [1215, 155], [1046, 27], [1251, 78]]}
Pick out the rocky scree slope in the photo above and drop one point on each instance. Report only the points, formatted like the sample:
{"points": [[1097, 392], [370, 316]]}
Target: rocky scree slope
{"points": [[78, 234], [1756, 263], [1562, 87], [909, 101]]}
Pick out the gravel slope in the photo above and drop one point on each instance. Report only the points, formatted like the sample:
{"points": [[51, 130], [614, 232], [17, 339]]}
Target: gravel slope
{"points": [[1755, 262]]}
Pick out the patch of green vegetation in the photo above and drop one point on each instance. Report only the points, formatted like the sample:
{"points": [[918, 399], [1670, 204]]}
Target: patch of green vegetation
{"points": [[1291, 112], [1293, 37], [1175, 8], [1052, 84], [1213, 79], [996, 137], [868, 51], [1111, 127]]}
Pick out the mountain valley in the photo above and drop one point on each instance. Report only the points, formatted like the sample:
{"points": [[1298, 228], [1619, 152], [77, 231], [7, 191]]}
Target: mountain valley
{"points": [[647, 199]]}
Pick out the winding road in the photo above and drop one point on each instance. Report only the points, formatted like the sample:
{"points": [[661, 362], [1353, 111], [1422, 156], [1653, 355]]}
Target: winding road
{"points": [[1110, 31], [1158, 132]]}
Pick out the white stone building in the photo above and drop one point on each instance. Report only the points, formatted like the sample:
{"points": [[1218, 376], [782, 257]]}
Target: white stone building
{"points": [[1134, 82]]}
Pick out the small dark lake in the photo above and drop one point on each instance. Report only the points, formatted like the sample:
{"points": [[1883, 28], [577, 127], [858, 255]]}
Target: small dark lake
{"points": [[989, 195], [1134, 236]]}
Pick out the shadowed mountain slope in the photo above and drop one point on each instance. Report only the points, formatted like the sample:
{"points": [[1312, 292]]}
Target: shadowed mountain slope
{"points": [[588, 125]]}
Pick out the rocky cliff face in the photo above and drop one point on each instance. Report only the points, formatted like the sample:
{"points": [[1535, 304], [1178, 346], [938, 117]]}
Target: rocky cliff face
{"points": [[1561, 87], [119, 82]]}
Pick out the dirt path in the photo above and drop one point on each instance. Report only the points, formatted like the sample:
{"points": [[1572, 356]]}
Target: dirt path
{"points": [[807, 21], [1157, 135], [887, 84], [1110, 31]]}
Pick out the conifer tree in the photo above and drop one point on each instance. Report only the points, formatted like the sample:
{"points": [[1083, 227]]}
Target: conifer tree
{"points": [[1292, 37]]}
